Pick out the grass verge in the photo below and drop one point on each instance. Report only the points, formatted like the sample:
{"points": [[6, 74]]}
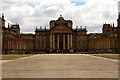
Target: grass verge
{"points": [[11, 57], [110, 56]]}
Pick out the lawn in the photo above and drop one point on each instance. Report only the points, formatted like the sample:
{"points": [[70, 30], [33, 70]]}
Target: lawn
{"points": [[110, 56], [11, 57]]}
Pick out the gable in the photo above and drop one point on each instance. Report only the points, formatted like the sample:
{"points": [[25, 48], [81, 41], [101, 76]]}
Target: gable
{"points": [[61, 26]]}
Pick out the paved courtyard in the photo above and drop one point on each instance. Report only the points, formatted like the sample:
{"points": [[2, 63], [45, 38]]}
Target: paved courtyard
{"points": [[60, 66]]}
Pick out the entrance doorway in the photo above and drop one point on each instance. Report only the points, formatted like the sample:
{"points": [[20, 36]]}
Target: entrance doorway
{"points": [[61, 45]]}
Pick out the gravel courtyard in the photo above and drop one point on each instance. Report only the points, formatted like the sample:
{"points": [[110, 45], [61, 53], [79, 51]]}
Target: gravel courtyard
{"points": [[60, 66]]}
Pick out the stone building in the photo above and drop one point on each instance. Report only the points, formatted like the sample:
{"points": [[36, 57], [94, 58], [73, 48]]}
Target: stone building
{"points": [[60, 37]]}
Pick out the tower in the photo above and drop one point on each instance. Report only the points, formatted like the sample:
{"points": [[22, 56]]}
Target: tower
{"points": [[106, 28], [15, 28], [69, 23], [2, 21], [118, 20], [2, 32], [52, 23], [118, 26]]}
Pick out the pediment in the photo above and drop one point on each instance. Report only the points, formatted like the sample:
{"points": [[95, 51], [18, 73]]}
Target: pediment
{"points": [[61, 29], [60, 26], [61, 22]]}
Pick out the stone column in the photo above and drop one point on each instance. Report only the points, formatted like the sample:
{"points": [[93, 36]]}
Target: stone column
{"points": [[71, 41], [20, 45], [94, 43], [68, 42], [8, 45], [53, 41], [11, 45], [58, 41], [76, 41], [63, 41]]}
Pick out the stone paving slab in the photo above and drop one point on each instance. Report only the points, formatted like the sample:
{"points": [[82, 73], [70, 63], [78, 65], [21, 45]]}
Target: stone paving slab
{"points": [[60, 66]]}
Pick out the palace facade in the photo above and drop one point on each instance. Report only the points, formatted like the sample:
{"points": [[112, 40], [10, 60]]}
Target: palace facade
{"points": [[60, 37]]}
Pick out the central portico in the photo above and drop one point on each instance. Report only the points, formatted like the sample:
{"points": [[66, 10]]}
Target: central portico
{"points": [[61, 34]]}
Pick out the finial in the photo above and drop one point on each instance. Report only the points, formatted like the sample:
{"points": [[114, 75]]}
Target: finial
{"points": [[2, 15], [119, 15], [113, 24], [40, 27], [76, 27], [8, 25], [36, 27], [85, 27], [60, 15], [81, 27]]}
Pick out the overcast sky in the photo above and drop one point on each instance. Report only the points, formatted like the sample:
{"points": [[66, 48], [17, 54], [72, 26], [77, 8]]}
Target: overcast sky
{"points": [[32, 13]]}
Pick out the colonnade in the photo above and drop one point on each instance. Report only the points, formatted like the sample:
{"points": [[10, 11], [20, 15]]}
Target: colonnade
{"points": [[65, 43]]}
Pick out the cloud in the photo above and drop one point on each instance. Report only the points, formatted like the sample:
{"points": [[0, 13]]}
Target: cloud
{"points": [[32, 13], [119, 6]]}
